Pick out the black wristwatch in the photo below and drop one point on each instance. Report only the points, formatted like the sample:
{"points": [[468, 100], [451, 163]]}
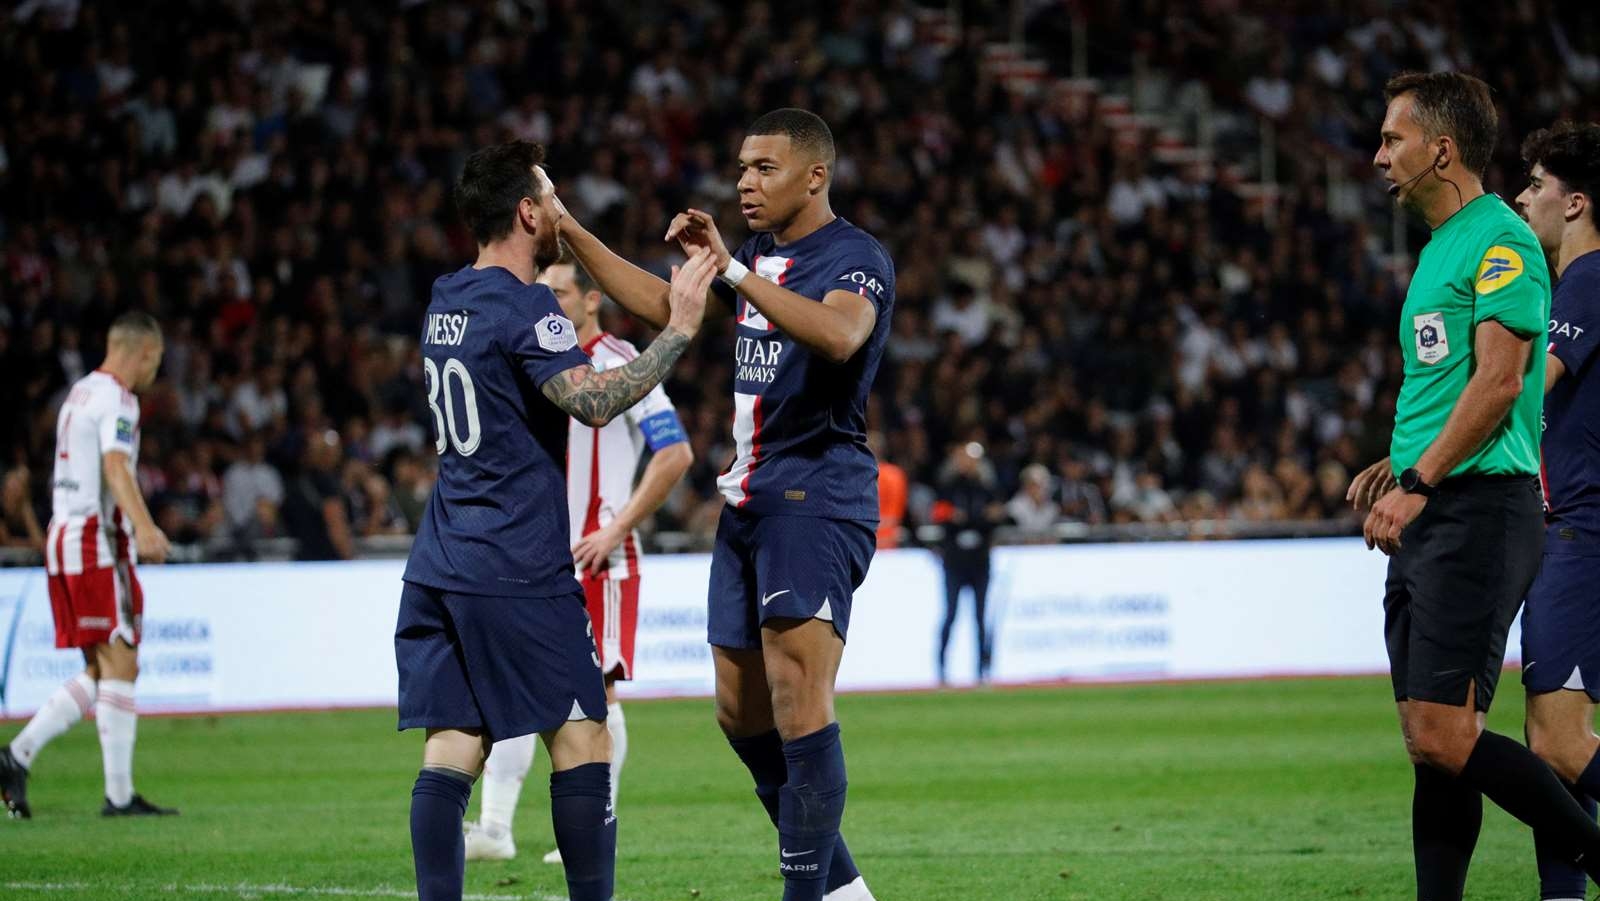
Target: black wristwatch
{"points": [[1411, 483]]}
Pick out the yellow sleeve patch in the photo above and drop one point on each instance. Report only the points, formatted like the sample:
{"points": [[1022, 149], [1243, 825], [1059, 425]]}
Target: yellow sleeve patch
{"points": [[1500, 267]]}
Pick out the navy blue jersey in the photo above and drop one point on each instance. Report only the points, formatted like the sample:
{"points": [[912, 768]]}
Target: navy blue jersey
{"points": [[496, 523], [1571, 445], [800, 422]]}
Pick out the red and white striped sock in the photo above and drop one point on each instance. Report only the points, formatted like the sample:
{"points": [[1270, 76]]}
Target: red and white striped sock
{"points": [[119, 723], [68, 704]]}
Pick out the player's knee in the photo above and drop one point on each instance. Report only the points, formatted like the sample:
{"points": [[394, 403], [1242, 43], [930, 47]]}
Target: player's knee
{"points": [[1439, 745], [115, 660], [728, 718], [800, 708]]}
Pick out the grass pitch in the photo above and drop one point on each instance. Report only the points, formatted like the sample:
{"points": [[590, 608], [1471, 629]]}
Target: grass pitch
{"points": [[1278, 791]]}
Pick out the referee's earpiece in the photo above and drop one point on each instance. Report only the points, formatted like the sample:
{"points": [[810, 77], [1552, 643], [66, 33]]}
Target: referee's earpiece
{"points": [[1440, 162]]}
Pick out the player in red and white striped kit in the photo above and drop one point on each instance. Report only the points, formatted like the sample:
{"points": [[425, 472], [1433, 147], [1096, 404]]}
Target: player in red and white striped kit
{"points": [[606, 509], [99, 523]]}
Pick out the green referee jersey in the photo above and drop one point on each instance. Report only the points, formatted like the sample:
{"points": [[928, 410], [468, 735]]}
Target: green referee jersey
{"points": [[1482, 263]]}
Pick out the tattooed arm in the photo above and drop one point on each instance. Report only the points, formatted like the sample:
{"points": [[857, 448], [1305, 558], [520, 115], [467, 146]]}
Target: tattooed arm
{"points": [[595, 398]]}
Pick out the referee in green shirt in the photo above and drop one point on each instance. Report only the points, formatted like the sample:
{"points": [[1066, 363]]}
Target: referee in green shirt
{"points": [[1456, 506]]}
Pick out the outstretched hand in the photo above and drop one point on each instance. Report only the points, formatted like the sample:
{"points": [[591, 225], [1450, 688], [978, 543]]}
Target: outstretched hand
{"points": [[690, 283], [694, 229]]}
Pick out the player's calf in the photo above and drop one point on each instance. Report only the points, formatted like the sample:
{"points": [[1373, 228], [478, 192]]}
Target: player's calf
{"points": [[580, 808], [451, 761], [744, 710], [802, 661]]}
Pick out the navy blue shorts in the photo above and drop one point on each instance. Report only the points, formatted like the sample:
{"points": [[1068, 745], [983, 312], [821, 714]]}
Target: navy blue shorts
{"points": [[1561, 623], [508, 666], [788, 567]]}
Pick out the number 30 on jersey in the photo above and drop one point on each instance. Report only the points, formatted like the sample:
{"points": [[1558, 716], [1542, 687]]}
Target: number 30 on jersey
{"points": [[444, 408]]}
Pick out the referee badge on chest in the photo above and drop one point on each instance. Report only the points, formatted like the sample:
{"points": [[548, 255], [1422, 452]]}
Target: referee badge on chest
{"points": [[1433, 344]]}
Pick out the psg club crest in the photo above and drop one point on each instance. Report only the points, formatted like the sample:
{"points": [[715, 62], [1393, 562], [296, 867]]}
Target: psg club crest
{"points": [[1433, 344]]}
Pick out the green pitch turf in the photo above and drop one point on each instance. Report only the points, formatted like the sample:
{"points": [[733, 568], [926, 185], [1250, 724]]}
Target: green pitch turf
{"points": [[1276, 791]]}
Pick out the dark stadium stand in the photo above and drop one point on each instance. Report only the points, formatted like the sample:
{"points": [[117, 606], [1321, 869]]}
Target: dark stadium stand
{"points": [[1140, 248]]}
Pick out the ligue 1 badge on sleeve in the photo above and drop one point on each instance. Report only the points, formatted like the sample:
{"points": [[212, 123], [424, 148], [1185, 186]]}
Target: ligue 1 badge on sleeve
{"points": [[556, 333], [1433, 344]]}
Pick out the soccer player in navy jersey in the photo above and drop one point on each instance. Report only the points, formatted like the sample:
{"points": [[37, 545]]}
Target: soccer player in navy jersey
{"points": [[493, 640], [812, 296], [1561, 619]]}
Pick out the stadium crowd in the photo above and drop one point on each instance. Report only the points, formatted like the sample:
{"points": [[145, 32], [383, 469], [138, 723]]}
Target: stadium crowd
{"points": [[1128, 340]]}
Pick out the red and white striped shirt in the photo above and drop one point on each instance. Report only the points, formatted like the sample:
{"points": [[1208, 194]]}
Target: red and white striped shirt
{"points": [[87, 530], [601, 463]]}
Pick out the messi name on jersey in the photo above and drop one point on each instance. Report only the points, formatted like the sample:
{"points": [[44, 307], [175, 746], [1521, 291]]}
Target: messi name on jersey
{"points": [[445, 328]]}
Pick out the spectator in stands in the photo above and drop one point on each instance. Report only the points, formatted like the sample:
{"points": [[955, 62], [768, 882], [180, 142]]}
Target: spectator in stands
{"points": [[19, 525], [1079, 494], [252, 494], [370, 504], [413, 482], [397, 429], [1033, 509], [1061, 260], [189, 508], [314, 513]]}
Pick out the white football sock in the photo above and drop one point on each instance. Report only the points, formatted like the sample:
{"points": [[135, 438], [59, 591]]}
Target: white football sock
{"points": [[853, 891], [618, 727], [68, 704], [508, 764], [119, 724]]}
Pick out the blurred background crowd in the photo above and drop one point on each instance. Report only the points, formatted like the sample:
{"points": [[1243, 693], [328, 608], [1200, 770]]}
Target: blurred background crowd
{"points": [[1168, 295]]}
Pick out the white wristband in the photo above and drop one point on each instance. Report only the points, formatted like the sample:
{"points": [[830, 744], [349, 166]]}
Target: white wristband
{"points": [[734, 274]]}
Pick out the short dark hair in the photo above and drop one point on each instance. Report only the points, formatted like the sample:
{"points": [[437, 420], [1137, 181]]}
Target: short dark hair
{"points": [[1454, 104], [806, 131], [1570, 151], [134, 324], [493, 183]]}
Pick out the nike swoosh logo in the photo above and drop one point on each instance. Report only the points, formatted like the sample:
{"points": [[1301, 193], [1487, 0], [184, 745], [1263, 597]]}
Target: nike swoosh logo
{"points": [[768, 599], [787, 855]]}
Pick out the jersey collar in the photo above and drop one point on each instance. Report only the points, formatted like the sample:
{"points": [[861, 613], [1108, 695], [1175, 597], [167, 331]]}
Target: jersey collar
{"points": [[120, 383], [589, 345]]}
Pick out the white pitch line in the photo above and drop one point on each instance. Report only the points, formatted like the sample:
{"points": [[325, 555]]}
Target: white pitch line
{"points": [[252, 890], [248, 889]]}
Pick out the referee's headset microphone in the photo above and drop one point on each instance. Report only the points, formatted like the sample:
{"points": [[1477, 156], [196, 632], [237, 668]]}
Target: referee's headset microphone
{"points": [[1439, 162]]}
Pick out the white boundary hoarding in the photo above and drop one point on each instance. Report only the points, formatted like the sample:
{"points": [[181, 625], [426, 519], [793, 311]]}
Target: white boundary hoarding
{"points": [[277, 635]]}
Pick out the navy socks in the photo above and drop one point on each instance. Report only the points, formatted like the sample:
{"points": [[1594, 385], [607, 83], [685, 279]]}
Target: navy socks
{"points": [[810, 806], [586, 830], [1559, 877], [438, 802], [763, 756]]}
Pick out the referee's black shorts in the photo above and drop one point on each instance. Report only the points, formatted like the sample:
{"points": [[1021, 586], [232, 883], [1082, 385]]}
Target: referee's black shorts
{"points": [[1455, 585]]}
